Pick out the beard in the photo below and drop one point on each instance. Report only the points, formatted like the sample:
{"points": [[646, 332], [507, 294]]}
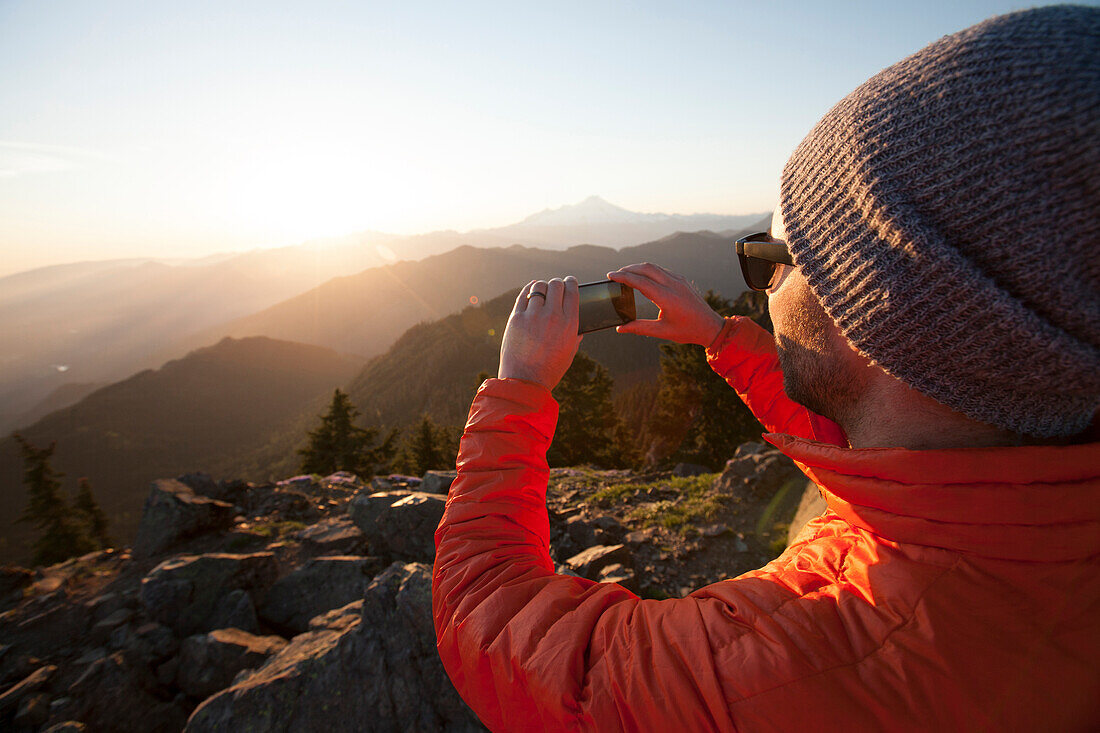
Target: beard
{"points": [[816, 374]]}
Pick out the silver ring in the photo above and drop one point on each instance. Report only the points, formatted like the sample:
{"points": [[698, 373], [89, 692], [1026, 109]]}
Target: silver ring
{"points": [[533, 294]]}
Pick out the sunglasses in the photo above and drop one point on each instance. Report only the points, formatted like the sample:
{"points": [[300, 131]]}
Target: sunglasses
{"points": [[758, 255]]}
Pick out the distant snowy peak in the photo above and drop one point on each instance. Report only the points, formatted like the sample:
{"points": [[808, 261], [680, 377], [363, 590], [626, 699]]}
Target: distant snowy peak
{"points": [[595, 210]]}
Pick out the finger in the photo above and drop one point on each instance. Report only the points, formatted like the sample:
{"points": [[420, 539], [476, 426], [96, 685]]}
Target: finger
{"points": [[521, 299], [639, 282], [555, 289], [571, 300], [536, 299], [656, 273]]}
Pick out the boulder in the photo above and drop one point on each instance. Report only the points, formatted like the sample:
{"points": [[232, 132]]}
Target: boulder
{"points": [[186, 592], [320, 585], [111, 695], [399, 524], [102, 630], [152, 643], [31, 684], [689, 469], [173, 511], [333, 536], [755, 473], [590, 562], [68, 726], [380, 673], [209, 662], [13, 579], [437, 482], [201, 483], [33, 711], [235, 610]]}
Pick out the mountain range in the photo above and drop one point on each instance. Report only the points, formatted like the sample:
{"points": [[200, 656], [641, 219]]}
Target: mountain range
{"points": [[205, 409], [93, 323]]}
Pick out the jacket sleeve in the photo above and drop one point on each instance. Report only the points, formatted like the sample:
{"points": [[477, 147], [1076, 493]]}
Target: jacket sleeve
{"points": [[744, 355], [531, 650]]}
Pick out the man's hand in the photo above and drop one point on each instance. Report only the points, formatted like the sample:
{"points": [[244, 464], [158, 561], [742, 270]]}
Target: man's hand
{"points": [[684, 316], [541, 338]]}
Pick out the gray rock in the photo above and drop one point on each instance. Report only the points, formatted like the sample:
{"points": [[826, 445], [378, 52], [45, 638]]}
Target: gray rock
{"points": [[14, 578], [618, 573], [209, 662], [201, 483], [173, 511], [32, 683], [582, 532], [103, 630], [756, 474], [320, 585], [437, 482], [152, 643], [689, 469], [103, 606], [185, 593], [112, 696], [588, 563], [399, 524], [381, 673], [334, 536], [33, 711], [235, 610]]}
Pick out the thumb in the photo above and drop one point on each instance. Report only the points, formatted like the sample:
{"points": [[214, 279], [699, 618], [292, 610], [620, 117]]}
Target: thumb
{"points": [[642, 328]]}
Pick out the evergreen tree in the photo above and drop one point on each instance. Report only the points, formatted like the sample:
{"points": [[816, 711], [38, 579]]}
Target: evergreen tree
{"points": [[61, 536], [340, 445], [587, 422], [95, 521], [698, 418], [428, 447]]}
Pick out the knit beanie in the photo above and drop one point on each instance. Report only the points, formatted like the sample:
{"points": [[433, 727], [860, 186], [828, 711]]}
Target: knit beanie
{"points": [[944, 214]]}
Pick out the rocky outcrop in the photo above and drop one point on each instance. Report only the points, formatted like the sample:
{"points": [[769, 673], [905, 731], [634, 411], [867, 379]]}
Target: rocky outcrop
{"points": [[334, 536], [209, 662], [281, 621], [399, 524], [381, 667], [756, 472], [189, 593], [320, 585], [173, 511]]}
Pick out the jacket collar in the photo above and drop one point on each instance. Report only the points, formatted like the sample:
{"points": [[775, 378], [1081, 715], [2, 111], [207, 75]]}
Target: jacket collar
{"points": [[1038, 503]]}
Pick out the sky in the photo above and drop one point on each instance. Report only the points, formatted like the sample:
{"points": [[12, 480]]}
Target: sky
{"points": [[157, 129]]}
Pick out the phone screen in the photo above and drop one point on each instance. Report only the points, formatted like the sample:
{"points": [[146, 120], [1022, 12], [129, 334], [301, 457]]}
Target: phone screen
{"points": [[605, 304]]}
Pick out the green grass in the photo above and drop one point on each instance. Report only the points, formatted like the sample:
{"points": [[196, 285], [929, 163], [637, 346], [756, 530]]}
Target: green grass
{"points": [[696, 502], [279, 529]]}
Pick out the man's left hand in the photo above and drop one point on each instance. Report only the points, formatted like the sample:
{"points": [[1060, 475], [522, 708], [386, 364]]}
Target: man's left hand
{"points": [[541, 338]]}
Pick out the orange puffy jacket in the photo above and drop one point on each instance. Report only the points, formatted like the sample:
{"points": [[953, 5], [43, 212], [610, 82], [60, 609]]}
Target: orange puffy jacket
{"points": [[941, 591]]}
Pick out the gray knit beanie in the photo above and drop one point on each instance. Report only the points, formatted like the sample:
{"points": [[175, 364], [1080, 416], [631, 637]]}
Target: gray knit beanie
{"points": [[945, 216]]}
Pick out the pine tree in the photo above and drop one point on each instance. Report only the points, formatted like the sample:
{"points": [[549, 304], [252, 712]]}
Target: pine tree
{"points": [[586, 417], [698, 418], [428, 447], [95, 521], [340, 445], [62, 537]]}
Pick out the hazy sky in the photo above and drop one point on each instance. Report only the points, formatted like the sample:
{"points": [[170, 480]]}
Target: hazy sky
{"points": [[182, 128]]}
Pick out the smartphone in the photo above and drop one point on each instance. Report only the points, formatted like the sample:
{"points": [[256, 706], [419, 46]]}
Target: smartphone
{"points": [[605, 304]]}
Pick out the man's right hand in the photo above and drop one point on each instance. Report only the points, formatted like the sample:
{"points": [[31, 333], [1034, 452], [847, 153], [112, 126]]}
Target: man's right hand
{"points": [[684, 316]]}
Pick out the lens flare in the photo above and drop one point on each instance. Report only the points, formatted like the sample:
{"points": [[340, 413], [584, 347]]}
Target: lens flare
{"points": [[473, 300]]}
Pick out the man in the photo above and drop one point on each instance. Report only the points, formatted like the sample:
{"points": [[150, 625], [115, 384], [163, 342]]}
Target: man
{"points": [[938, 329]]}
